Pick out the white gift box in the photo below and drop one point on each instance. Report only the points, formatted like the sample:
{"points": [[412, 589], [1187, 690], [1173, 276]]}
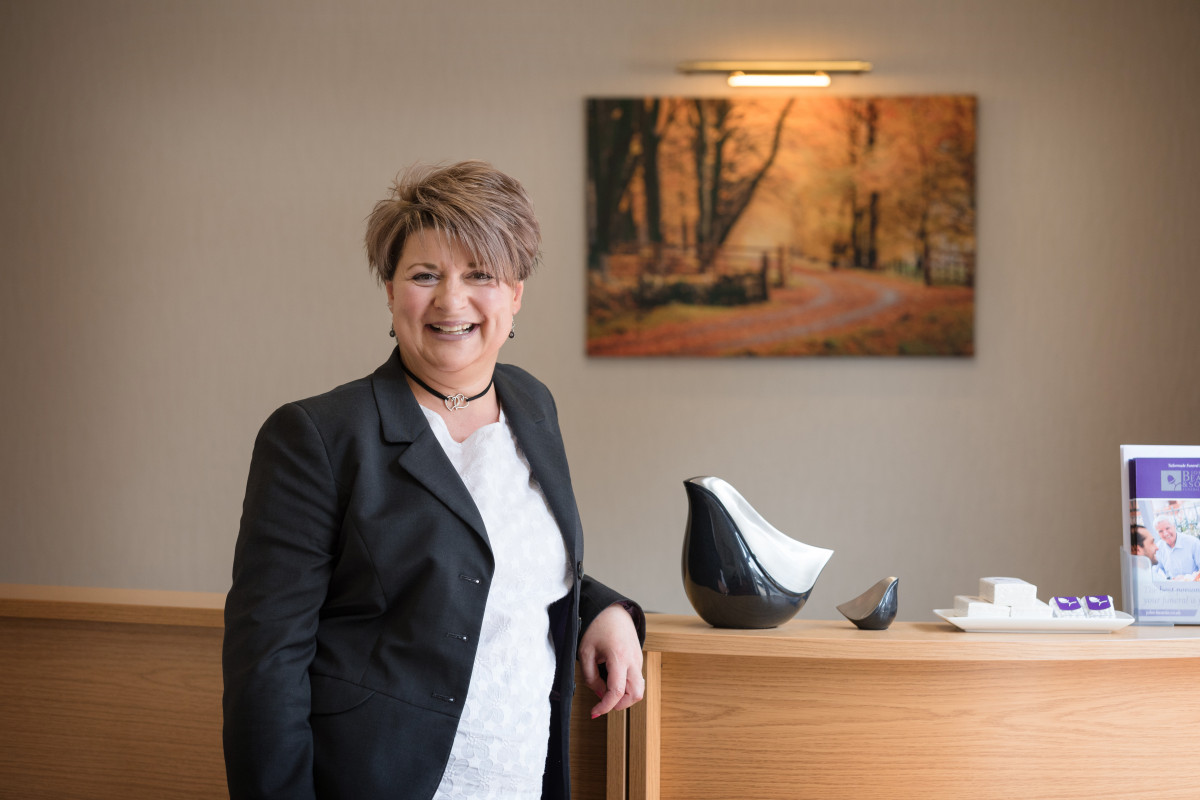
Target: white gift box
{"points": [[1007, 591], [972, 606]]}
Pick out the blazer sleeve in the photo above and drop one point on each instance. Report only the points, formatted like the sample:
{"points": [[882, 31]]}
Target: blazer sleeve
{"points": [[281, 571], [594, 597]]}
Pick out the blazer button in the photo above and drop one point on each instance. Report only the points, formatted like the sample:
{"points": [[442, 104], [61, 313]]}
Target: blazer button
{"points": [[579, 569]]}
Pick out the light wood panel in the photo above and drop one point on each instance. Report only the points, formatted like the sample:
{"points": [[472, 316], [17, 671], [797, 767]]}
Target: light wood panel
{"points": [[645, 731], [116, 694], [589, 746], [96, 710], [917, 641], [831, 730], [923, 712], [142, 607], [617, 752]]}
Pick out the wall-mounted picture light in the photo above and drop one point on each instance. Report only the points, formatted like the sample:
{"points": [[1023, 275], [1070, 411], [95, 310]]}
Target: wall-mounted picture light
{"points": [[775, 73]]}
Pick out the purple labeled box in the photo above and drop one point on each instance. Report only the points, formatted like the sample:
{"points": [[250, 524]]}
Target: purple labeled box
{"points": [[1099, 606], [1061, 606]]}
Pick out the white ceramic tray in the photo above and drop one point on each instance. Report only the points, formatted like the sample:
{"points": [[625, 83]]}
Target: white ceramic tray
{"points": [[1049, 625]]}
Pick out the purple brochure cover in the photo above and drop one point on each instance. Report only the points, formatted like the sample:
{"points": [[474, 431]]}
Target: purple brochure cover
{"points": [[1164, 477]]}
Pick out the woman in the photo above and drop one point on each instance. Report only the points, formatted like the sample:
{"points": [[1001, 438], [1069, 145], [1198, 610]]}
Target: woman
{"points": [[408, 589]]}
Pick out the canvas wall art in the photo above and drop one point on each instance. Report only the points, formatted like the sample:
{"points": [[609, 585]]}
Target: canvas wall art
{"points": [[781, 226]]}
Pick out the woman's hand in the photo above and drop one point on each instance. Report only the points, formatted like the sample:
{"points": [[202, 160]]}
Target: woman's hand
{"points": [[612, 640]]}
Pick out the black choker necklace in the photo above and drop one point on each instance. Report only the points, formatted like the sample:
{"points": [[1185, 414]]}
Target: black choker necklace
{"points": [[453, 402]]}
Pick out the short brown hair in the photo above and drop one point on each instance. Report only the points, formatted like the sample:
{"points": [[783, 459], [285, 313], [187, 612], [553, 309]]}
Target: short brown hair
{"points": [[472, 203]]}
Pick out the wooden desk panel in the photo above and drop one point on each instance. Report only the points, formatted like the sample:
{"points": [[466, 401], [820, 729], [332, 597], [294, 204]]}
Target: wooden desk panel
{"points": [[921, 711], [97, 710], [116, 695]]}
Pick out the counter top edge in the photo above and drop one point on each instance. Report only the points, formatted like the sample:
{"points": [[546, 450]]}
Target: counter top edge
{"points": [[96, 604], [915, 641]]}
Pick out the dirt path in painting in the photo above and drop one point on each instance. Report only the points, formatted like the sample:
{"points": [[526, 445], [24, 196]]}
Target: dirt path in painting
{"points": [[826, 303]]}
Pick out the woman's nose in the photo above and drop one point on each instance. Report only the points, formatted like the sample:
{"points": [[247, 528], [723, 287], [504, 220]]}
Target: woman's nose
{"points": [[450, 293]]}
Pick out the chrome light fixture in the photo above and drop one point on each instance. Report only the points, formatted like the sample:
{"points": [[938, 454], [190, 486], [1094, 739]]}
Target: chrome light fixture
{"points": [[775, 73]]}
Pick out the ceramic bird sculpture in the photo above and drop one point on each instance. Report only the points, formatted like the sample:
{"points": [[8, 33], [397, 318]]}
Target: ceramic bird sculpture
{"points": [[874, 609], [738, 570]]}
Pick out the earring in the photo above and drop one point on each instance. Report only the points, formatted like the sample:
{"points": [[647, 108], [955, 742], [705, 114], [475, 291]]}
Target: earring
{"points": [[392, 332], [512, 332]]}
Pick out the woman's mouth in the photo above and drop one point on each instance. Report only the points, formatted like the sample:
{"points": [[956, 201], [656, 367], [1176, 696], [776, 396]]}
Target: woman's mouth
{"points": [[454, 329]]}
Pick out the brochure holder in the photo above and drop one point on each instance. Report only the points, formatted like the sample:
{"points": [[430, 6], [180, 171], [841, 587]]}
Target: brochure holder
{"points": [[1160, 487]]}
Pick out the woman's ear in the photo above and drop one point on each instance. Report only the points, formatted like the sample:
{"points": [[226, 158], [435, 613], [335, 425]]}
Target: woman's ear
{"points": [[518, 292]]}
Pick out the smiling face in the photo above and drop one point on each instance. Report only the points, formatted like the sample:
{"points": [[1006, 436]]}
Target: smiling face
{"points": [[1167, 532], [450, 314], [1147, 546]]}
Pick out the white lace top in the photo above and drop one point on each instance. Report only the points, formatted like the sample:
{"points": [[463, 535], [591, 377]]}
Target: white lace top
{"points": [[499, 750]]}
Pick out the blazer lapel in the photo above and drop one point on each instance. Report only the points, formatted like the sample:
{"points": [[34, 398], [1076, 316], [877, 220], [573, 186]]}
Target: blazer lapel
{"points": [[542, 445], [403, 422]]}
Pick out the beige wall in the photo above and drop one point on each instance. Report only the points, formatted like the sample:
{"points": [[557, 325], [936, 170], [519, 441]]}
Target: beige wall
{"points": [[184, 187]]}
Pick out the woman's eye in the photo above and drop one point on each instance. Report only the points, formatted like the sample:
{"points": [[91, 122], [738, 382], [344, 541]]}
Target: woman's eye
{"points": [[424, 278], [481, 277]]}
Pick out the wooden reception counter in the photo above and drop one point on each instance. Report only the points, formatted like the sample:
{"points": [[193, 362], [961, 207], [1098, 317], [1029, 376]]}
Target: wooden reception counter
{"points": [[116, 694], [820, 709], [110, 693]]}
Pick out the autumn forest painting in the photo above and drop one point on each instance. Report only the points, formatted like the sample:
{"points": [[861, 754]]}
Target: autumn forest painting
{"points": [[781, 226]]}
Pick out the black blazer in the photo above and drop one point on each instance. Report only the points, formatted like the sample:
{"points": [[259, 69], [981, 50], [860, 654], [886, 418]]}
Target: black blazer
{"points": [[359, 581]]}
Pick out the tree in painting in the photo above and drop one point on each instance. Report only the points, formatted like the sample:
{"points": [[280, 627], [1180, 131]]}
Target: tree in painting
{"points": [[828, 226]]}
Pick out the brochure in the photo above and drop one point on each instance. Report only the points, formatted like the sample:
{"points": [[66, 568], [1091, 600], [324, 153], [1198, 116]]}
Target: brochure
{"points": [[1160, 548]]}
